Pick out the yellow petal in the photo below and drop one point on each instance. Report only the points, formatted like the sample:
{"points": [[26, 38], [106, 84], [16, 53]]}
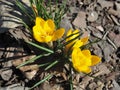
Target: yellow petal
{"points": [[75, 31], [39, 21], [84, 40], [49, 26], [75, 56], [87, 57], [37, 36], [69, 32], [95, 60], [79, 59], [75, 35], [72, 32], [48, 39], [86, 53], [58, 34], [78, 44]]}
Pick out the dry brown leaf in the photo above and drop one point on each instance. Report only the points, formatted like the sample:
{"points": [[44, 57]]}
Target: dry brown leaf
{"points": [[19, 61], [29, 68]]}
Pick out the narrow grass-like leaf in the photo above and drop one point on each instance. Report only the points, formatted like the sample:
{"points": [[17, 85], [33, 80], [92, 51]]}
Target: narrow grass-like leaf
{"points": [[32, 60], [31, 5], [71, 79], [22, 7], [42, 65], [90, 43], [40, 47], [60, 10], [50, 7], [26, 25], [43, 80], [51, 65]]}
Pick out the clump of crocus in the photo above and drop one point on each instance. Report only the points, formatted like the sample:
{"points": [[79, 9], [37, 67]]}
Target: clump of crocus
{"points": [[45, 31], [82, 60]]}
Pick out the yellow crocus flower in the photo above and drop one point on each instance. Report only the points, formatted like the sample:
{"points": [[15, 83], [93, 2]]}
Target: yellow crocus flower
{"points": [[83, 60], [80, 42], [70, 32], [77, 42], [44, 31]]}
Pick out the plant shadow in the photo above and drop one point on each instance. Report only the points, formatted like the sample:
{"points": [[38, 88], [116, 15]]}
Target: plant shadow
{"points": [[11, 15]]}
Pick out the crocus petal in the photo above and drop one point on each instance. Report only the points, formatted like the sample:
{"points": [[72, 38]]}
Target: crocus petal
{"points": [[95, 60], [58, 34], [49, 26], [69, 32], [78, 44], [79, 58], [84, 40], [75, 34], [76, 31], [86, 53], [75, 56], [37, 34], [48, 39], [39, 21]]}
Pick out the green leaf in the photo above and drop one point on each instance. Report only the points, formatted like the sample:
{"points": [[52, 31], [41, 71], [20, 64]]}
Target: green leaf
{"points": [[26, 25], [40, 47], [22, 7], [51, 65], [42, 65], [43, 80], [32, 60]]}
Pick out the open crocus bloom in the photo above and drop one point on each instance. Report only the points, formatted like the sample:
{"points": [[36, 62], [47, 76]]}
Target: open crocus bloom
{"points": [[44, 31], [82, 60]]}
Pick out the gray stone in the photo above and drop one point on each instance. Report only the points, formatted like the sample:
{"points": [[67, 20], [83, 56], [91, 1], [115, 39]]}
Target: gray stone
{"points": [[6, 74], [116, 85], [80, 20], [92, 16], [14, 87], [65, 23]]}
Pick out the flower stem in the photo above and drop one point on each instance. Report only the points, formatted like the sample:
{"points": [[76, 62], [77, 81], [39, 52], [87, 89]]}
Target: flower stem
{"points": [[71, 83]]}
